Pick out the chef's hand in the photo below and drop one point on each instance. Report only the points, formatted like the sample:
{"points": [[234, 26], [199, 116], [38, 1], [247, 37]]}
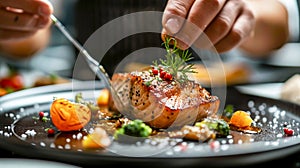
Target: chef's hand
{"points": [[226, 23], [23, 18]]}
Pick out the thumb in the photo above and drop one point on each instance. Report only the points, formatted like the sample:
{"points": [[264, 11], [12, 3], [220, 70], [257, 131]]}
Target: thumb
{"points": [[175, 13]]}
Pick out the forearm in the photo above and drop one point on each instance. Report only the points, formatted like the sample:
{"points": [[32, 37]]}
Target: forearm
{"points": [[27, 47], [271, 28]]}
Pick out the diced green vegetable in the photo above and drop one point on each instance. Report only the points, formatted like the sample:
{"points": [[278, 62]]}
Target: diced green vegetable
{"points": [[134, 128], [228, 111], [220, 126]]}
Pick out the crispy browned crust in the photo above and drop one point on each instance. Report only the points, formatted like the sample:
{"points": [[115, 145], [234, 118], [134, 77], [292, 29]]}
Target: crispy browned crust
{"points": [[163, 104]]}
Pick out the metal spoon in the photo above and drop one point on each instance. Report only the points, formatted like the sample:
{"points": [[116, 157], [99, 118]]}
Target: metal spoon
{"points": [[93, 64]]}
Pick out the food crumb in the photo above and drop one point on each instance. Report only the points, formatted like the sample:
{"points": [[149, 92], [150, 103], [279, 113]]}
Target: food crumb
{"points": [[30, 133], [42, 144], [24, 136]]}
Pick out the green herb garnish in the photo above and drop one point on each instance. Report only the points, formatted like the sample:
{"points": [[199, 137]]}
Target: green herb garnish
{"points": [[175, 62]]}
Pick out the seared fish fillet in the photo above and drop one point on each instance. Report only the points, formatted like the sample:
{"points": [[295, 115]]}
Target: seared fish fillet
{"points": [[162, 104]]}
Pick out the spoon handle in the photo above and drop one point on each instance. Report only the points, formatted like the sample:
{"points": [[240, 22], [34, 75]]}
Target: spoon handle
{"points": [[97, 68], [94, 65], [63, 29]]}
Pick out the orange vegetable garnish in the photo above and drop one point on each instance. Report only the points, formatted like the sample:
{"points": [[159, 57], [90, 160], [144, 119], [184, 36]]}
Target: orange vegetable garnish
{"points": [[2, 92], [14, 82], [97, 139], [241, 119], [69, 116], [103, 98]]}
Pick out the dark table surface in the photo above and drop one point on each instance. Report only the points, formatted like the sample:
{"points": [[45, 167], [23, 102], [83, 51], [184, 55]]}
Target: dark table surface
{"points": [[289, 161]]}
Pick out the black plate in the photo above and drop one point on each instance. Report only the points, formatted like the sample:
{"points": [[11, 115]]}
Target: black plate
{"points": [[18, 109]]}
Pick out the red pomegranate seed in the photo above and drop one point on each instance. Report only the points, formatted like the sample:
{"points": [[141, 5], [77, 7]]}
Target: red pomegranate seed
{"points": [[154, 71], [288, 131], [168, 76], [50, 131], [162, 74], [41, 114]]}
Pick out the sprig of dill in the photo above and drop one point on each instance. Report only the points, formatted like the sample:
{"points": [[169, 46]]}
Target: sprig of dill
{"points": [[175, 62]]}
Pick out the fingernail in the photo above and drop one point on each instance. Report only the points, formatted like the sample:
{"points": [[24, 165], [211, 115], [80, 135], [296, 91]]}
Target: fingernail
{"points": [[44, 11], [173, 25]]}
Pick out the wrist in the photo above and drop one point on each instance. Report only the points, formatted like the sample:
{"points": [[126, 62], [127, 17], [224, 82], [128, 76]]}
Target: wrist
{"points": [[25, 48]]}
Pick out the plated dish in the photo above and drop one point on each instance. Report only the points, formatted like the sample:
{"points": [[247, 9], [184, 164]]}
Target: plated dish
{"points": [[158, 117], [16, 81], [271, 114]]}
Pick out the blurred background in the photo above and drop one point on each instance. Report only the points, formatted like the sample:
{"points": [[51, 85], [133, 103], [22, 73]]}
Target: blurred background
{"points": [[59, 54], [83, 18]]}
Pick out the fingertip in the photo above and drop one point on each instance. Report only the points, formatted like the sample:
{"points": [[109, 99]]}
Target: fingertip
{"points": [[175, 14], [51, 9], [46, 8], [164, 34], [181, 45], [44, 22]]}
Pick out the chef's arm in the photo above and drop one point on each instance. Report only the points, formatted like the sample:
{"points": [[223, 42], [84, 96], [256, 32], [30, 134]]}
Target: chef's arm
{"points": [[26, 47], [271, 28]]}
